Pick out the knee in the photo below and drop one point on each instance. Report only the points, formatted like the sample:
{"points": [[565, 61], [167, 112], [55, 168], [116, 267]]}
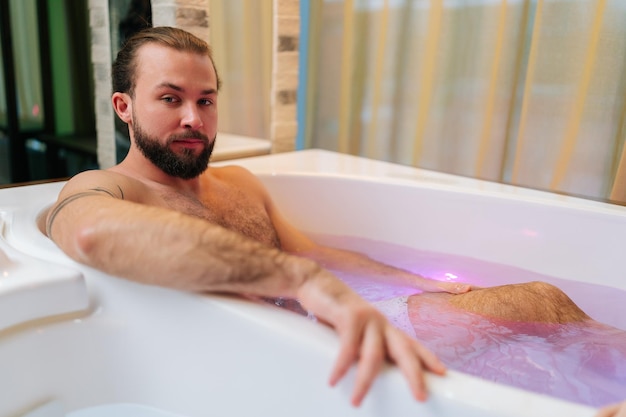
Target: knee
{"points": [[543, 288], [532, 301], [551, 304]]}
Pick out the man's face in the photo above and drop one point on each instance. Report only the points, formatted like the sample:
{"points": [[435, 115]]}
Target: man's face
{"points": [[174, 110], [185, 163]]}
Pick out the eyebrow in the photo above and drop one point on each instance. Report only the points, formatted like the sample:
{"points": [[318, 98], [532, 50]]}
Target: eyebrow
{"points": [[179, 88]]}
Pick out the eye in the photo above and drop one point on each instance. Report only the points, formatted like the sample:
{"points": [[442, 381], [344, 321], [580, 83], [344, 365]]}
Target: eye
{"points": [[169, 99], [205, 101]]}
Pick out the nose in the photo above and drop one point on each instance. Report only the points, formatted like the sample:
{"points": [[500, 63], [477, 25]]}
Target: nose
{"points": [[190, 118]]}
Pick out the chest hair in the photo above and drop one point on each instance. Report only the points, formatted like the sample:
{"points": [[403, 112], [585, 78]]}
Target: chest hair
{"points": [[231, 209]]}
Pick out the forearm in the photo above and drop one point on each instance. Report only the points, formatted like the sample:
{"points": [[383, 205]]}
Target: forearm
{"points": [[162, 247], [359, 264]]}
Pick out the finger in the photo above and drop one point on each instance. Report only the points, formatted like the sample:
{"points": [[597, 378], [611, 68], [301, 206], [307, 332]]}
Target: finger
{"points": [[608, 411], [404, 354], [454, 287], [348, 354], [463, 288], [412, 359], [371, 360], [431, 285]]}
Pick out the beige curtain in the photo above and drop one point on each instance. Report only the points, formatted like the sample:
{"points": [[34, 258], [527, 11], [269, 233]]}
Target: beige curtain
{"points": [[241, 37], [529, 92]]}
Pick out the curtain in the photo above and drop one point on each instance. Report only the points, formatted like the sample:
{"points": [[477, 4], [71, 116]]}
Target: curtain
{"points": [[527, 92], [241, 38]]}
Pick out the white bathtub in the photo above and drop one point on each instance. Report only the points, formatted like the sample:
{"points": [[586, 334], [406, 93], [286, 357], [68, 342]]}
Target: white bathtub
{"points": [[112, 341]]}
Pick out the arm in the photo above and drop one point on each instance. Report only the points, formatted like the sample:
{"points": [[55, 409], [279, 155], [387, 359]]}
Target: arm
{"points": [[362, 265], [100, 221], [294, 241], [366, 336]]}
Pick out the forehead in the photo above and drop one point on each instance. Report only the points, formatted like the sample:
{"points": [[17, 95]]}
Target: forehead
{"points": [[158, 64]]}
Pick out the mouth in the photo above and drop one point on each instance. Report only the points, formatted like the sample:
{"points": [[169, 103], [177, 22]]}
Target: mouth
{"points": [[189, 143]]}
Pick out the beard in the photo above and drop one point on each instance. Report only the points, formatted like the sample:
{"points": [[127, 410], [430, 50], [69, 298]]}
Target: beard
{"points": [[185, 164]]}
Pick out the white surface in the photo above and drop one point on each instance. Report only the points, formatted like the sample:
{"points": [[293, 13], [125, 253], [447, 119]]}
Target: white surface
{"points": [[49, 409], [120, 410], [196, 355], [229, 146], [33, 289]]}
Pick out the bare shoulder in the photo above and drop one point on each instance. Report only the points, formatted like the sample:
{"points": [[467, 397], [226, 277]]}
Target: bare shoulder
{"points": [[83, 187], [106, 182], [238, 176], [232, 172]]}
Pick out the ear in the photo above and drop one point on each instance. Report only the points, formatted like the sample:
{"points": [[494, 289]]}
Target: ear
{"points": [[122, 104]]}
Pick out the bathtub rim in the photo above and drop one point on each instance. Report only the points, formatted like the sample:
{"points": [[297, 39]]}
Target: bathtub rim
{"points": [[452, 388]]}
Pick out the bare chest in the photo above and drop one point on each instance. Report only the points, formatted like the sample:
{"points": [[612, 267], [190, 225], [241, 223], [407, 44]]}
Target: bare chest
{"points": [[231, 209]]}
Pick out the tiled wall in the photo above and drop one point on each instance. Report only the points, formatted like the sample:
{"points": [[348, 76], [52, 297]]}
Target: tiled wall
{"points": [[193, 16], [283, 125], [101, 60]]}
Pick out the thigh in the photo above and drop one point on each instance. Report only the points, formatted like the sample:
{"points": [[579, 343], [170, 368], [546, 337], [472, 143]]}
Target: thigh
{"points": [[532, 301]]}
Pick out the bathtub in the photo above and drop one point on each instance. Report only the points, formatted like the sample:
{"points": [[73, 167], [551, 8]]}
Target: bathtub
{"points": [[75, 339]]}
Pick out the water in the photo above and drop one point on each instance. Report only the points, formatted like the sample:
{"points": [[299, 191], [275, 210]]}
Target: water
{"points": [[583, 362]]}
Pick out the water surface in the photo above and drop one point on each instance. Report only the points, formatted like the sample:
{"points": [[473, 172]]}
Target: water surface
{"points": [[581, 362]]}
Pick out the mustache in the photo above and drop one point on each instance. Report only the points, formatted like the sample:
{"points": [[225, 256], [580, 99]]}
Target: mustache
{"points": [[191, 134]]}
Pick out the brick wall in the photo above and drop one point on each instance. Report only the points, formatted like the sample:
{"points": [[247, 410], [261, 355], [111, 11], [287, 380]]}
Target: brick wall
{"points": [[190, 15], [101, 60], [283, 124], [193, 16]]}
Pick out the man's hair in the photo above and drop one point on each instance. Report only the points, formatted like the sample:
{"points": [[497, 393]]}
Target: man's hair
{"points": [[125, 65]]}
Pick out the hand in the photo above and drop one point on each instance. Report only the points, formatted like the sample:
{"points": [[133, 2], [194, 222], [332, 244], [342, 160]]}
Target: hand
{"points": [[365, 337], [614, 410], [432, 285]]}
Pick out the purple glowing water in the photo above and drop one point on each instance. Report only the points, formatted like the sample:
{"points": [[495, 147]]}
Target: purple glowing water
{"points": [[581, 362]]}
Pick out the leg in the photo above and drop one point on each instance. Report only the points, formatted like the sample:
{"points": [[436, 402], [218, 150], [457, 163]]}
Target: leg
{"points": [[528, 302]]}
